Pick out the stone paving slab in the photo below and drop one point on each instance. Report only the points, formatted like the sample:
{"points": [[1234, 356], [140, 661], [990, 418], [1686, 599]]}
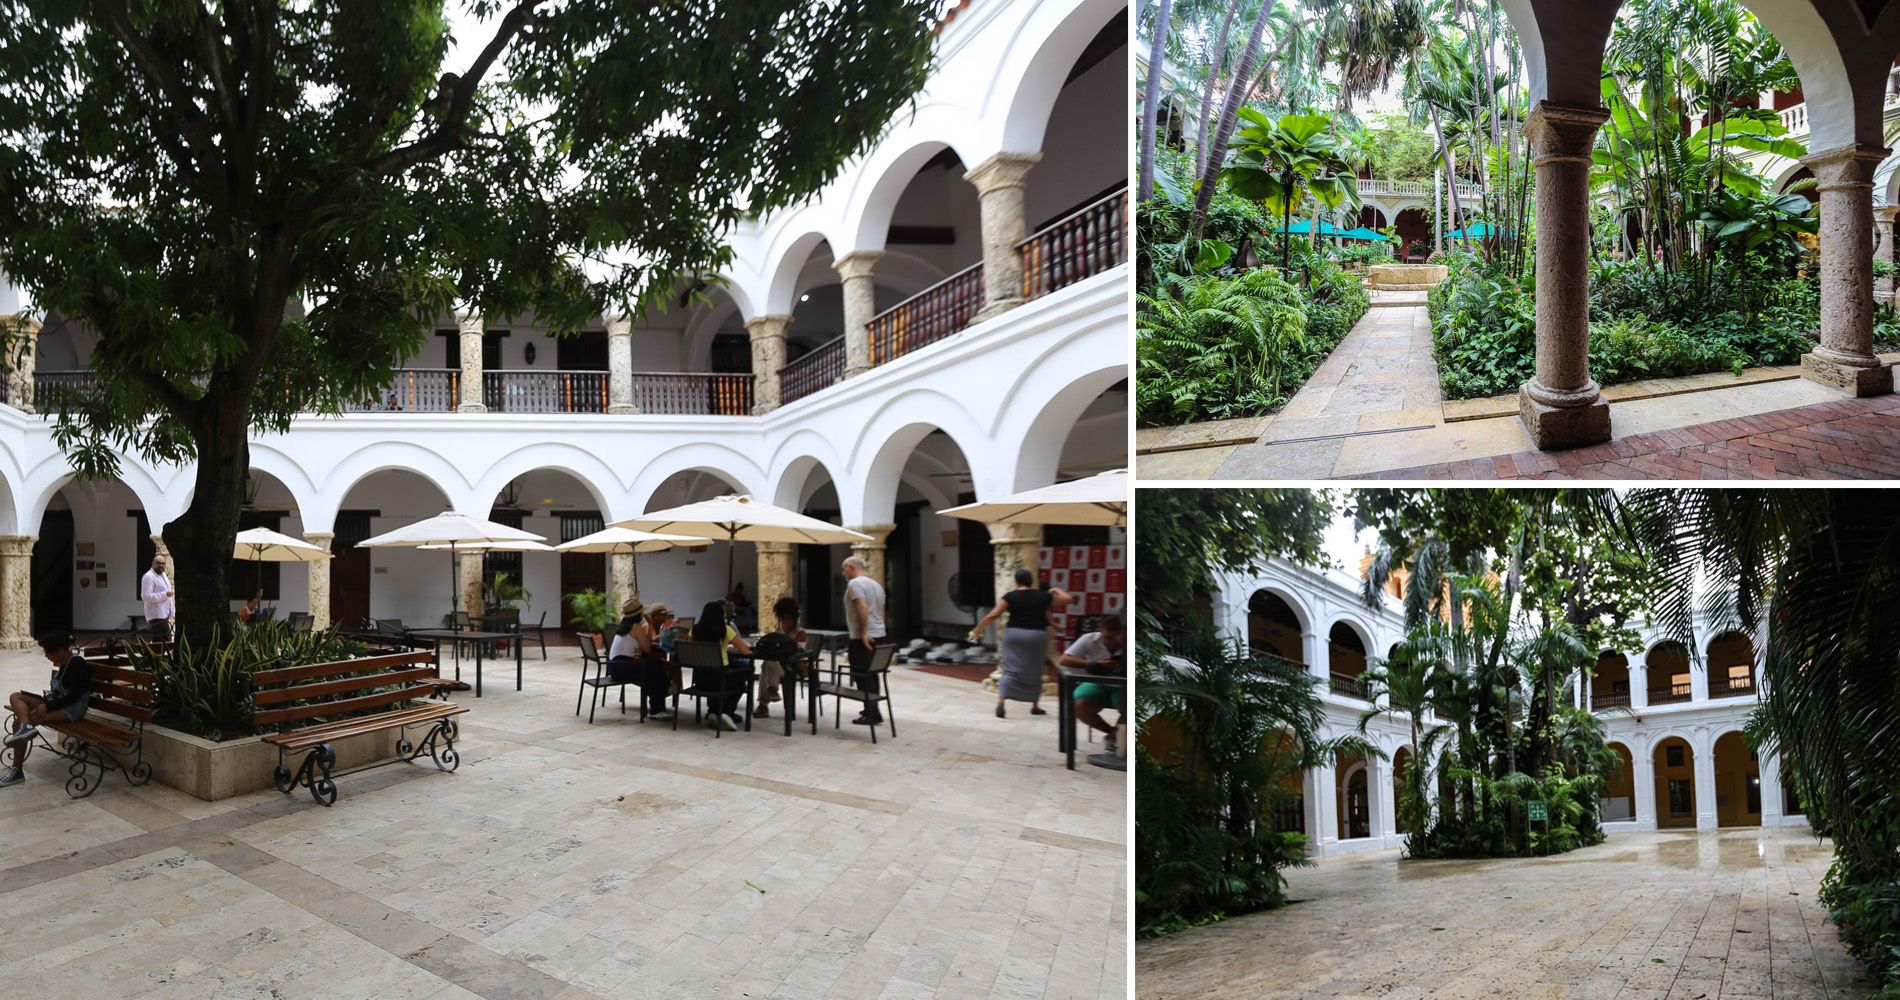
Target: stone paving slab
{"points": [[565, 861], [1698, 915], [1202, 435]]}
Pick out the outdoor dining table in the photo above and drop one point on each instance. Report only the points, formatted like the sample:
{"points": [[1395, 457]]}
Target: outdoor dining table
{"points": [[481, 641], [1066, 680]]}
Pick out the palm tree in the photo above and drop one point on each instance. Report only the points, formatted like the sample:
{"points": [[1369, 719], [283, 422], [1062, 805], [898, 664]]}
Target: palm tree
{"points": [[1151, 100], [1279, 163]]}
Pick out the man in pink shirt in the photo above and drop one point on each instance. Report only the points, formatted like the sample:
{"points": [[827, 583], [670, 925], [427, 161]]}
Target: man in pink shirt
{"points": [[155, 589]]}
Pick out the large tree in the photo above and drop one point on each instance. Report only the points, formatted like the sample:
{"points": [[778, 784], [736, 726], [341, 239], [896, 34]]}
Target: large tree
{"points": [[180, 177]]}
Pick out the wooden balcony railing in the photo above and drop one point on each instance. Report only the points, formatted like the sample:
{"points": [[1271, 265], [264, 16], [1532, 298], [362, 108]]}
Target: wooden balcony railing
{"points": [[693, 393], [47, 386], [1731, 687], [1081, 246], [1620, 699], [415, 390], [927, 317], [1348, 685], [544, 392], [1669, 695], [813, 372]]}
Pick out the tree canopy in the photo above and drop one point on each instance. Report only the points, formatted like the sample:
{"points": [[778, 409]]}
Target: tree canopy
{"points": [[181, 178]]}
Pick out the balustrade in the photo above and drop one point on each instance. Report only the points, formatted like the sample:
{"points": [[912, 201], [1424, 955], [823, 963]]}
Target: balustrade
{"points": [[693, 393], [927, 317], [414, 390], [1348, 685], [1669, 695], [817, 369], [1081, 246], [48, 386], [545, 391]]}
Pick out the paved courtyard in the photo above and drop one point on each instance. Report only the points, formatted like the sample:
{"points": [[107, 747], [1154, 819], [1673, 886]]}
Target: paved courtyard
{"points": [[569, 861], [1707, 915]]}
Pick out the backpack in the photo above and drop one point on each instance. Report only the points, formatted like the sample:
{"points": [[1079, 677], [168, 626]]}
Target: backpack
{"points": [[775, 646]]}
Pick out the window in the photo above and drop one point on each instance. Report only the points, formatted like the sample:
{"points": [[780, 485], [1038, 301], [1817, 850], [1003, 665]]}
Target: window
{"points": [[1754, 793], [1681, 797], [1740, 677], [1673, 754]]}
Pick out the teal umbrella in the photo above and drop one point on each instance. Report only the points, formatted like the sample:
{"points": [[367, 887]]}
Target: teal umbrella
{"points": [[1360, 234], [1306, 229], [1478, 231]]}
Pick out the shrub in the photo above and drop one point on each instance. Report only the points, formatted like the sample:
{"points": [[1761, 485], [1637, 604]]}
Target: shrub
{"points": [[1484, 330], [1226, 347], [207, 692]]}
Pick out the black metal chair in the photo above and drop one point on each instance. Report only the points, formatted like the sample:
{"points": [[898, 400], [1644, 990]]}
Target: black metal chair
{"points": [[540, 634], [600, 681], [301, 623], [711, 678], [843, 687]]}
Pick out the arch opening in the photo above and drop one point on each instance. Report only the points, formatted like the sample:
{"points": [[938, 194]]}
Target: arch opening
{"points": [[1675, 784]]}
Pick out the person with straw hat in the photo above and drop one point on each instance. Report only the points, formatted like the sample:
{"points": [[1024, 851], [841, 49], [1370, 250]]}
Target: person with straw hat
{"points": [[634, 656]]}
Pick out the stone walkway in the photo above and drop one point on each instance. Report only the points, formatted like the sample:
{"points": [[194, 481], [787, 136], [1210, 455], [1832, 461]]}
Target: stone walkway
{"points": [[566, 861], [1709, 915], [1373, 410], [1844, 439]]}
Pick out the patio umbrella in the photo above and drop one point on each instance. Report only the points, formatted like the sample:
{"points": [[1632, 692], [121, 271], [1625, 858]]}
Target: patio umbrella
{"points": [[626, 541], [739, 518], [1360, 234], [456, 531], [262, 545], [1478, 231], [1100, 499], [1306, 228]]}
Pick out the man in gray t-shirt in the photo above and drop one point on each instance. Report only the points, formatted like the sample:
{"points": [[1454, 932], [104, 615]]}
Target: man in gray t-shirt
{"points": [[864, 616]]}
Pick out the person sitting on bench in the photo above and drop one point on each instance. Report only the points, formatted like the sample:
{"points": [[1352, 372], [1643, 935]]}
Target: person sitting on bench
{"points": [[65, 701], [1102, 653]]}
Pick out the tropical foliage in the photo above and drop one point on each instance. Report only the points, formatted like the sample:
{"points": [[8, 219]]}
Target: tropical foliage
{"points": [[205, 690]]}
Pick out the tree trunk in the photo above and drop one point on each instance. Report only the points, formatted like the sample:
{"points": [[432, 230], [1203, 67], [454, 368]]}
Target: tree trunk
{"points": [[1151, 98], [1229, 120], [1207, 93], [1451, 175], [200, 539]]}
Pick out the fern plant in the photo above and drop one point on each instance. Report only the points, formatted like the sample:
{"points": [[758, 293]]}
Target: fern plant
{"points": [[1217, 347]]}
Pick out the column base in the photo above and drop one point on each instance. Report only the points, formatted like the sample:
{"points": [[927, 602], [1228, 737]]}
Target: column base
{"points": [[1857, 380], [761, 409], [994, 309], [17, 642], [1557, 427], [854, 371], [622, 408], [470, 408]]}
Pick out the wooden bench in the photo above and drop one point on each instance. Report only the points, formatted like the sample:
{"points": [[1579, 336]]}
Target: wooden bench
{"points": [[321, 690], [120, 690]]}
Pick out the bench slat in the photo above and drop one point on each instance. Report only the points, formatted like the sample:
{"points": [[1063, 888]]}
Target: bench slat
{"points": [[304, 739], [276, 715], [95, 732], [277, 696], [286, 675]]}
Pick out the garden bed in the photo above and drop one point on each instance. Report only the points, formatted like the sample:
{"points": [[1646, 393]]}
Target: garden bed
{"points": [[212, 771]]}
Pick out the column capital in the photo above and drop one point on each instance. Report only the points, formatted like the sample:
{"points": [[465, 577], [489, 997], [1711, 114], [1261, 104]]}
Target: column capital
{"points": [[1004, 170], [1014, 534], [619, 326], [856, 264], [768, 326], [776, 548], [469, 323], [321, 539], [1563, 131], [17, 545], [1850, 165], [878, 533]]}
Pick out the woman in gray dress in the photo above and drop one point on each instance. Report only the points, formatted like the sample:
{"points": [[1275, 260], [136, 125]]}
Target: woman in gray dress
{"points": [[1026, 640]]}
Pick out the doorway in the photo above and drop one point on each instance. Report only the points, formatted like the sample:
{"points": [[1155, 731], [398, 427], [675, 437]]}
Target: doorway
{"points": [[53, 573], [349, 571]]}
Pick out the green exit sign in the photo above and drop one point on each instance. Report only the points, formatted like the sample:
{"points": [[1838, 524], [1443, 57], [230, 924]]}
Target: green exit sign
{"points": [[1537, 811]]}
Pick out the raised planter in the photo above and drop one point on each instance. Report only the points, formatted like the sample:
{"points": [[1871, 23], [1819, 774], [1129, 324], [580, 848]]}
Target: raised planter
{"points": [[213, 771], [1405, 277]]}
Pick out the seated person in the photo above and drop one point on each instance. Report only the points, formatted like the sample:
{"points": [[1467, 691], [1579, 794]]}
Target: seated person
{"points": [[249, 613], [633, 656], [741, 612], [662, 626], [65, 701], [779, 650], [1103, 654], [712, 627]]}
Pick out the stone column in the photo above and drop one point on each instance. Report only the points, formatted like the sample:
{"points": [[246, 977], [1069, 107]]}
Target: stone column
{"points": [[872, 552], [1845, 357], [620, 365], [1769, 766], [1705, 815], [471, 569], [999, 184], [1313, 654], [625, 579], [1326, 784], [1639, 686], [860, 305], [16, 591], [320, 579], [471, 325], [1382, 799], [768, 356], [1883, 250], [1643, 781], [1014, 548], [25, 361], [776, 567], [1561, 406]]}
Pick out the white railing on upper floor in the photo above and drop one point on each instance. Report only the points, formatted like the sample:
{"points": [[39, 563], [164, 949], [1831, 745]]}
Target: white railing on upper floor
{"points": [[1409, 189]]}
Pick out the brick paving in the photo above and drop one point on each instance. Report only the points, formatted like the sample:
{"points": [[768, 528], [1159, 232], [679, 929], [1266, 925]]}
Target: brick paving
{"points": [[1847, 439], [1700, 915], [566, 861]]}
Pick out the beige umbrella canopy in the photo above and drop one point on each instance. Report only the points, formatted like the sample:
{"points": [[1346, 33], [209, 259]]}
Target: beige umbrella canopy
{"points": [[456, 531], [627, 540], [262, 545], [1098, 500], [739, 518]]}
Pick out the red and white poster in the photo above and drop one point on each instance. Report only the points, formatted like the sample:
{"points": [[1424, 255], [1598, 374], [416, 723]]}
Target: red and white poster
{"points": [[1096, 574]]}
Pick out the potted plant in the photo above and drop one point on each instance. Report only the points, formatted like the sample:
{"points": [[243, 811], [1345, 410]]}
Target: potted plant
{"points": [[593, 613], [504, 594]]}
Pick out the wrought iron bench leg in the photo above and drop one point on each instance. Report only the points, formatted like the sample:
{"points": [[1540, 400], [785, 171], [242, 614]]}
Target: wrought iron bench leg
{"points": [[323, 789]]}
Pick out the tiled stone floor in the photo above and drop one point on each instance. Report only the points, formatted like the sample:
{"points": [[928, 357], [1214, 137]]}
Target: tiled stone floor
{"points": [[568, 861], [1709, 915]]}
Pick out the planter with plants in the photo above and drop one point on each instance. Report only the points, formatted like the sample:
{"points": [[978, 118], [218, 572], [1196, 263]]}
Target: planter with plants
{"points": [[593, 614]]}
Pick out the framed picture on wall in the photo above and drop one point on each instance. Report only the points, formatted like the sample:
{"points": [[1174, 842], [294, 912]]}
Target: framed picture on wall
{"points": [[82, 548], [102, 579]]}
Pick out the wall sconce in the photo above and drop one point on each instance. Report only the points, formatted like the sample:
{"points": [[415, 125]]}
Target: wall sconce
{"points": [[527, 353]]}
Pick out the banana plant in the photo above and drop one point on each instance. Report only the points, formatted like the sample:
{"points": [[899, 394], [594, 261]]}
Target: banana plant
{"points": [[1747, 219], [1279, 164]]}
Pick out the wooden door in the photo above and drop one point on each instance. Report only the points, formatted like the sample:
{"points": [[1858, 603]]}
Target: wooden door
{"points": [[579, 570], [349, 571]]}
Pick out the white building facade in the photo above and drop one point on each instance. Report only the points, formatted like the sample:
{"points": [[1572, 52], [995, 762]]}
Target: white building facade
{"points": [[946, 322], [1677, 726]]}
